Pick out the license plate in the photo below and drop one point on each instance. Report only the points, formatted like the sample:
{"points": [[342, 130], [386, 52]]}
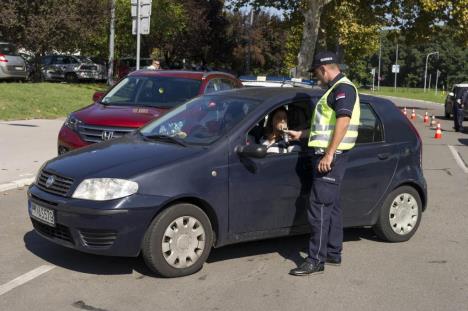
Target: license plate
{"points": [[19, 68], [43, 214]]}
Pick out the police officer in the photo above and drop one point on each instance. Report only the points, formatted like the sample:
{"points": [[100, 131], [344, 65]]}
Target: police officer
{"points": [[333, 132], [458, 116]]}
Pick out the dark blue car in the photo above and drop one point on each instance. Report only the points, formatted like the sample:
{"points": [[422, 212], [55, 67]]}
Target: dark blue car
{"points": [[198, 177]]}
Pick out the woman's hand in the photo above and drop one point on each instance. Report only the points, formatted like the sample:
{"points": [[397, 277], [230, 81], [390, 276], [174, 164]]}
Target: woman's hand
{"points": [[295, 135]]}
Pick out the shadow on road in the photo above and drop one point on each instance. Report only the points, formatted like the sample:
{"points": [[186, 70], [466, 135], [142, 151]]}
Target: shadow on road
{"points": [[287, 247], [464, 141]]}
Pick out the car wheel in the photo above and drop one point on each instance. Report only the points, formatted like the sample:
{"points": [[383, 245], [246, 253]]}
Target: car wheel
{"points": [[400, 215], [71, 78], [178, 241], [447, 114]]}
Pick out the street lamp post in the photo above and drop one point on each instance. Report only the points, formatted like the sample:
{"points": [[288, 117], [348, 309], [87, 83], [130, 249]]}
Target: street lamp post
{"points": [[380, 57], [425, 71]]}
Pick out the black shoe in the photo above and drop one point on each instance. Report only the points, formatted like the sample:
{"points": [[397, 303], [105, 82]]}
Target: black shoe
{"points": [[307, 268], [333, 261]]}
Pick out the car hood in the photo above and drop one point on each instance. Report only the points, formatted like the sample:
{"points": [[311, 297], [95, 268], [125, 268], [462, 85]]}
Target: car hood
{"points": [[126, 157], [118, 116]]}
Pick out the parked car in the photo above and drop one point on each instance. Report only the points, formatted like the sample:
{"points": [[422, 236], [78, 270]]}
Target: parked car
{"points": [[69, 68], [196, 179], [456, 94], [137, 99], [12, 65]]}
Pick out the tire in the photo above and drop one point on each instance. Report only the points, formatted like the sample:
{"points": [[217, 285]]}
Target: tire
{"points": [[180, 231], [400, 215], [71, 78]]}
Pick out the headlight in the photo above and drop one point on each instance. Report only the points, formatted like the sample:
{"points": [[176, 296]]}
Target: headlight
{"points": [[72, 122], [102, 189]]}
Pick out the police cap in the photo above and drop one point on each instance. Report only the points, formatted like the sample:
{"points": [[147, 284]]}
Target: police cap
{"points": [[323, 58]]}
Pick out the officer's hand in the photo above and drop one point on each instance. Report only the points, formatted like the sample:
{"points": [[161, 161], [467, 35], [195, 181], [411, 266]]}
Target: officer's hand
{"points": [[295, 135], [325, 164]]}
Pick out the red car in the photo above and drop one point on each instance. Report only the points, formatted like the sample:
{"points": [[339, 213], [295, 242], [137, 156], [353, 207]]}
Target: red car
{"points": [[140, 97]]}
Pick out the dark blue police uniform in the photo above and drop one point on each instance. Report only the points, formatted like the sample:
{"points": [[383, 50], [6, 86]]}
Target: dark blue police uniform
{"points": [[458, 115], [324, 212]]}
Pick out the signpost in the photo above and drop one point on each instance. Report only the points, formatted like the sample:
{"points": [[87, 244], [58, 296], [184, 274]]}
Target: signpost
{"points": [[373, 79], [396, 67], [141, 13]]}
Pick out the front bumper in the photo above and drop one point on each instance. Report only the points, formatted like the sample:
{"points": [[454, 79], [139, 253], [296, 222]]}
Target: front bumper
{"points": [[69, 140], [112, 228]]}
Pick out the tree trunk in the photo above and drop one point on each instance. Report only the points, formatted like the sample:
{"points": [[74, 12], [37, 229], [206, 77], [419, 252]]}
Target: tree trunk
{"points": [[312, 13]]}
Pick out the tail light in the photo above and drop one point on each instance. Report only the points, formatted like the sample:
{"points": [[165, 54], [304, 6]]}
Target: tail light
{"points": [[3, 59], [419, 139]]}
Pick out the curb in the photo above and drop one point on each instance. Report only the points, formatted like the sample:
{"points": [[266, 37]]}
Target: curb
{"points": [[17, 184]]}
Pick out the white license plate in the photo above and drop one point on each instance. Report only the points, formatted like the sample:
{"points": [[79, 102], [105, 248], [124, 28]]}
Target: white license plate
{"points": [[43, 214], [19, 68]]}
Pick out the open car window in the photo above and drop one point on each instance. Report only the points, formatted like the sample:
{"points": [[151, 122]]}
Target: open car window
{"points": [[203, 120], [297, 118]]}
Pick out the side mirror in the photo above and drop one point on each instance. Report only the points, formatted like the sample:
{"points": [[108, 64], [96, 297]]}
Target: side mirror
{"points": [[252, 151], [97, 96], [451, 94]]}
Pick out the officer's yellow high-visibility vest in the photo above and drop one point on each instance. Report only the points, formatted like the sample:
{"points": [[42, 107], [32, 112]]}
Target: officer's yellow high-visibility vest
{"points": [[324, 121]]}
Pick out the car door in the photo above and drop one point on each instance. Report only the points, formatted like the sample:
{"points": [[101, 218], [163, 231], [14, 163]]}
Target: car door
{"points": [[371, 166], [264, 194]]}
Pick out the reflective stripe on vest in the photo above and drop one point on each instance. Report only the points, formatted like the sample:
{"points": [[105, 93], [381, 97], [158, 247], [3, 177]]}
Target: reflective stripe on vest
{"points": [[324, 120]]}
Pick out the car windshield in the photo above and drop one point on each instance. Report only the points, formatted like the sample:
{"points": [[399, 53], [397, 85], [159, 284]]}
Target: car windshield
{"points": [[8, 49], [202, 120], [161, 92]]}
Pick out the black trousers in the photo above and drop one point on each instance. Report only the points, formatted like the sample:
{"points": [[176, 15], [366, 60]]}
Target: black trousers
{"points": [[324, 213], [458, 118]]}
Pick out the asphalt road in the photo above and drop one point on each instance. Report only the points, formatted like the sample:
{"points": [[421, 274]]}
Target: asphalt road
{"points": [[429, 272]]}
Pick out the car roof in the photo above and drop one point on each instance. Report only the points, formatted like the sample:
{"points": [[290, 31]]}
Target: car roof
{"points": [[461, 85], [196, 75], [279, 94]]}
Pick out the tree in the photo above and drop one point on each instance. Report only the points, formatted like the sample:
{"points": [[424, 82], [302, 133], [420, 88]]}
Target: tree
{"points": [[311, 11]]}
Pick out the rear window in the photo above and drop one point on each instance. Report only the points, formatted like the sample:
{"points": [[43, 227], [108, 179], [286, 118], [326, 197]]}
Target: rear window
{"points": [[459, 91], [8, 49], [161, 92]]}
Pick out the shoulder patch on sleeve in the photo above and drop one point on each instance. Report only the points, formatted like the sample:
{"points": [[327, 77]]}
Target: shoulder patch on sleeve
{"points": [[340, 95]]}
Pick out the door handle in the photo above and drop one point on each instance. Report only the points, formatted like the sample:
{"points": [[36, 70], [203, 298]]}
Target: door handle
{"points": [[383, 156]]}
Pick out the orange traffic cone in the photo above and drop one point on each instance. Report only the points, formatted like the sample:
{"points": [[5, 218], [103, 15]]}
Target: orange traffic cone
{"points": [[405, 112], [413, 115], [426, 118], [433, 122], [438, 133]]}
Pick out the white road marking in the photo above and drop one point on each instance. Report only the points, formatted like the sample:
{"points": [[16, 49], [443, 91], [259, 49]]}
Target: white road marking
{"points": [[458, 159], [22, 279], [17, 184], [420, 116]]}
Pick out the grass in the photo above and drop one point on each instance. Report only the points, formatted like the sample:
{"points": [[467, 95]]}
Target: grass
{"points": [[19, 101], [411, 93]]}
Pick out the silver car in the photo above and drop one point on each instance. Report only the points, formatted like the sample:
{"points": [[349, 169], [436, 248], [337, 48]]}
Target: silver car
{"points": [[70, 68], [12, 65]]}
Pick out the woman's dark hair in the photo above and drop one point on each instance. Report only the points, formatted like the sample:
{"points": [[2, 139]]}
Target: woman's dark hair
{"points": [[269, 125]]}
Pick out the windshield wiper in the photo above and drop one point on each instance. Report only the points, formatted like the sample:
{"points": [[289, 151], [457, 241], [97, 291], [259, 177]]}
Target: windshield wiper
{"points": [[166, 138]]}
